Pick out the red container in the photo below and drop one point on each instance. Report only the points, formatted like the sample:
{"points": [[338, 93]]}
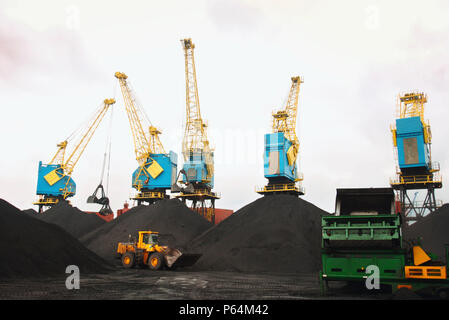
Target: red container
{"points": [[122, 211], [222, 214]]}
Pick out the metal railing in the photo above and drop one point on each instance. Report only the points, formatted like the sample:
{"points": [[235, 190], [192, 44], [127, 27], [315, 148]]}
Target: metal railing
{"points": [[148, 195], [285, 187], [418, 179], [46, 201], [201, 193]]}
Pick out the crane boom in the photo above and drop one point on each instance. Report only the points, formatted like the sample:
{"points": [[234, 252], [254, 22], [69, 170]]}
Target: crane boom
{"points": [[145, 136], [195, 136], [69, 164], [285, 120]]}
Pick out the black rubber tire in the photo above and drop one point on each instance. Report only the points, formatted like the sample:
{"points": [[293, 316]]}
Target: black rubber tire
{"points": [[159, 258], [132, 260], [443, 294]]}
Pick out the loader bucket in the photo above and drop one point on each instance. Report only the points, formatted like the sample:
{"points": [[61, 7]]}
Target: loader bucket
{"points": [[175, 258], [186, 260]]}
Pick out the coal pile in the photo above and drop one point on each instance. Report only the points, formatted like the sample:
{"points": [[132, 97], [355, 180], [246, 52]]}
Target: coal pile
{"points": [[278, 233], [33, 248], [71, 219], [176, 224], [433, 229], [30, 212]]}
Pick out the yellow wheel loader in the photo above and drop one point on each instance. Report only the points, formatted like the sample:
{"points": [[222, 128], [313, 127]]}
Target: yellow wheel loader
{"points": [[146, 251]]}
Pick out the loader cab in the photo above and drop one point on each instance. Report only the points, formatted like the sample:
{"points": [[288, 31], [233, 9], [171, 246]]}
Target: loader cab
{"points": [[148, 239]]}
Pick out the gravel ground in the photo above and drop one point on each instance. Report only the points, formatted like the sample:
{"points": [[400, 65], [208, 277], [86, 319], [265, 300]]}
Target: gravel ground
{"points": [[168, 285]]}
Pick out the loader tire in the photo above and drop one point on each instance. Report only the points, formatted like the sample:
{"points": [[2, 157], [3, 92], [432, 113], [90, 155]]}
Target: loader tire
{"points": [[443, 294], [128, 260], [156, 261]]}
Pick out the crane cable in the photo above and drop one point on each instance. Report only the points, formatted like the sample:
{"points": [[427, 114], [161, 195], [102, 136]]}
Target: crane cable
{"points": [[84, 124], [107, 151], [110, 143]]}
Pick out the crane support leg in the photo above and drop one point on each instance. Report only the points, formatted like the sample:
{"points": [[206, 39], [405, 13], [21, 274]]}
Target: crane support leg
{"points": [[414, 211]]}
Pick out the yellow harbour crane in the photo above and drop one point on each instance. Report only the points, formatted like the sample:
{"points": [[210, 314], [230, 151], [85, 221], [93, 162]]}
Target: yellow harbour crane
{"points": [[282, 148], [198, 168], [54, 179], [157, 169]]}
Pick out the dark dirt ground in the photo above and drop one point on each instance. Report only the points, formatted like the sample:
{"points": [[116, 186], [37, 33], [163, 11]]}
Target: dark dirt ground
{"points": [[144, 284]]}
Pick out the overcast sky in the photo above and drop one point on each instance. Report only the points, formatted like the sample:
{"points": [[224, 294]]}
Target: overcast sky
{"points": [[58, 59]]}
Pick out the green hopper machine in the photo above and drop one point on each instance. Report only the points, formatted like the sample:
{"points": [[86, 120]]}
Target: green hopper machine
{"points": [[366, 231]]}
